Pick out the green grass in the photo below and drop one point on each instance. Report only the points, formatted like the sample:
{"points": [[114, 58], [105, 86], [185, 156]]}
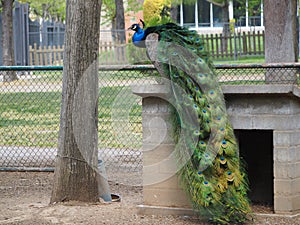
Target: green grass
{"points": [[120, 121], [32, 119], [29, 119], [243, 60], [51, 77]]}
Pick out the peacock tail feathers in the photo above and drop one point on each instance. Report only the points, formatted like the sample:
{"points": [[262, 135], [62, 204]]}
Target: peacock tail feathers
{"points": [[211, 171]]}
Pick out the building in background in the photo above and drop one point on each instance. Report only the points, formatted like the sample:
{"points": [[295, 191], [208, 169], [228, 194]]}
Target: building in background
{"points": [[206, 17]]}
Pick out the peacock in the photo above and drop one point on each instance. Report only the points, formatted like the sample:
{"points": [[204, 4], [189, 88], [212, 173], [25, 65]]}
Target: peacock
{"points": [[211, 171]]}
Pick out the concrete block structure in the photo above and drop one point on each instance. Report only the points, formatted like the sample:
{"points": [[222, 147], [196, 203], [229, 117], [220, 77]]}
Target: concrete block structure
{"points": [[266, 119]]}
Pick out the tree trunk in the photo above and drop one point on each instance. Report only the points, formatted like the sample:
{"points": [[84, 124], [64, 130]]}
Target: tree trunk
{"points": [[226, 28], [174, 12], [118, 23], [8, 39], [76, 169], [281, 42]]}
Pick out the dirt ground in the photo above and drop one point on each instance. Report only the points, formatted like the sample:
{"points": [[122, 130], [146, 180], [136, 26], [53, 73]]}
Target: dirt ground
{"points": [[24, 199]]}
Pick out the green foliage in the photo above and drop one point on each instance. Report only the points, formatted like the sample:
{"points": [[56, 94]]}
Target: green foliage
{"points": [[133, 6], [156, 12], [53, 9], [109, 7], [254, 7]]}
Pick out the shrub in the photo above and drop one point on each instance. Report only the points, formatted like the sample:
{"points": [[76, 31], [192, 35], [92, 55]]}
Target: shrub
{"points": [[156, 12]]}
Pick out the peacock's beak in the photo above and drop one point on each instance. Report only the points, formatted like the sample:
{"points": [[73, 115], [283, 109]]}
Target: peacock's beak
{"points": [[129, 28]]}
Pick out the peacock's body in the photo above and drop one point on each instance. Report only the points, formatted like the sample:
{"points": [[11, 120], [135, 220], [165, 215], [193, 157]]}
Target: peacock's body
{"points": [[213, 176]]}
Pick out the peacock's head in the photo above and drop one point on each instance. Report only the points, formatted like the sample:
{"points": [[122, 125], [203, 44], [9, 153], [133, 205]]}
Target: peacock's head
{"points": [[134, 27]]}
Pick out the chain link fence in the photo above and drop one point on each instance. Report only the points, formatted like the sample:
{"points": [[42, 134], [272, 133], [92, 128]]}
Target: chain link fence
{"points": [[30, 112], [255, 74]]}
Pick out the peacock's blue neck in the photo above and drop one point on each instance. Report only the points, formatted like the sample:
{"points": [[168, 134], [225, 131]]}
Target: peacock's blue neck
{"points": [[138, 36]]}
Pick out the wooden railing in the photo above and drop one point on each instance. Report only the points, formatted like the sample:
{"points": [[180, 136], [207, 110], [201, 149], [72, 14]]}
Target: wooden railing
{"points": [[112, 53], [236, 45], [232, 47], [46, 55]]}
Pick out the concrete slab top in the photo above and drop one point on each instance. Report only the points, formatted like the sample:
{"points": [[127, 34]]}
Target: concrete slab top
{"points": [[157, 90], [262, 89], [161, 90]]}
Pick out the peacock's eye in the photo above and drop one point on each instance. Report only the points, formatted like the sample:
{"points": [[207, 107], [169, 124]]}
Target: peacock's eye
{"points": [[134, 27]]}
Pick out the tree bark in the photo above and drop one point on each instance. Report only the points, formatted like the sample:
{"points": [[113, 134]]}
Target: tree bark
{"points": [[118, 23], [281, 42], [226, 28], [174, 12], [8, 39], [280, 31], [76, 169]]}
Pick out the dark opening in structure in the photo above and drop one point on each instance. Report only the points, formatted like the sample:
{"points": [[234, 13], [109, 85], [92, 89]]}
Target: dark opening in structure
{"points": [[256, 148]]}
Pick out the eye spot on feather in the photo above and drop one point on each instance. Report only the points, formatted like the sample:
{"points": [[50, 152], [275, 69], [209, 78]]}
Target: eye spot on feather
{"points": [[230, 176], [223, 160], [174, 53], [199, 60], [206, 183], [224, 144], [197, 132]]}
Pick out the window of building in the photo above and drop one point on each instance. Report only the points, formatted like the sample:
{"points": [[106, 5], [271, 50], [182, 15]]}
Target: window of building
{"points": [[239, 13], [189, 15], [217, 16], [205, 14], [254, 13]]}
